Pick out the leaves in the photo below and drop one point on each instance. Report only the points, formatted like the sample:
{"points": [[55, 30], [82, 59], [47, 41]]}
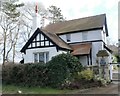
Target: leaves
{"points": [[55, 14]]}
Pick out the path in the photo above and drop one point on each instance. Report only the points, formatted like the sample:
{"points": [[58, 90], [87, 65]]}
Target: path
{"points": [[110, 89]]}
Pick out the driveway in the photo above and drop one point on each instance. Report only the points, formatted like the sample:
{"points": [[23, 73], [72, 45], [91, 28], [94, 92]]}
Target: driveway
{"points": [[110, 89]]}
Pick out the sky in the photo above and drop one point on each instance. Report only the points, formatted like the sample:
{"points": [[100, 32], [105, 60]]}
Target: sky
{"points": [[73, 9]]}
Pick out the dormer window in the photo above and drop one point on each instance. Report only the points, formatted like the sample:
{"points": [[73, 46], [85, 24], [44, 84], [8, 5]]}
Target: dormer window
{"points": [[68, 37]]}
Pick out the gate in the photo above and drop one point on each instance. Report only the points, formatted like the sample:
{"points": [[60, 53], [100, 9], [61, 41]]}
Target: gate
{"points": [[115, 71]]}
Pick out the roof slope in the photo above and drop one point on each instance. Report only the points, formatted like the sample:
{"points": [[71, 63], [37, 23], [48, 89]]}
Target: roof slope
{"points": [[80, 24], [58, 41], [53, 37]]}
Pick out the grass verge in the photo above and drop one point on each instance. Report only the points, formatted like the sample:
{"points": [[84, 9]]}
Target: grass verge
{"points": [[11, 89]]}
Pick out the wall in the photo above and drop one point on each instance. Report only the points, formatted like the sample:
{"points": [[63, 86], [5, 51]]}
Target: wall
{"points": [[96, 46], [77, 37], [28, 57], [104, 38]]}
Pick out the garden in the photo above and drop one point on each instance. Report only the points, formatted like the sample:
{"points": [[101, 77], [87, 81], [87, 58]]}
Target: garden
{"points": [[62, 74]]}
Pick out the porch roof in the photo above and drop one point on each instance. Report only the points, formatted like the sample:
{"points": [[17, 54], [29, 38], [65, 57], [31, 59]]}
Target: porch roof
{"points": [[81, 49]]}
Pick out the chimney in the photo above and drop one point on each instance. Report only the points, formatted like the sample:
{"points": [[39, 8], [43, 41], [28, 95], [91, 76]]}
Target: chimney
{"points": [[36, 8], [36, 19]]}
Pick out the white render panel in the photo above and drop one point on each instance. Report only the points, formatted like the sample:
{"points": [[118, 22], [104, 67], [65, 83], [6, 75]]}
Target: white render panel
{"points": [[94, 35], [28, 57], [77, 37], [96, 46], [104, 36], [63, 37]]}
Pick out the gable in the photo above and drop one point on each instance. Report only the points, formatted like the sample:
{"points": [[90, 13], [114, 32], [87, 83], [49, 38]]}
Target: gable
{"points": [[38, 40], [42, 39]]}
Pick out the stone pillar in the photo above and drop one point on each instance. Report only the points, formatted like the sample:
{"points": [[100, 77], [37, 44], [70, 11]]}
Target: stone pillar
{"points": [[104, 71]]}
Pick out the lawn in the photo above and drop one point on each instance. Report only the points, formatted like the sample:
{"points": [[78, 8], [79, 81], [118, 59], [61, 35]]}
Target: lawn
{"points": [[33, 90]]}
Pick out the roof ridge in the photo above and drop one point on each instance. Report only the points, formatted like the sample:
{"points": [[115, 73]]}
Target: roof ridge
{"points": [[78, 19]]}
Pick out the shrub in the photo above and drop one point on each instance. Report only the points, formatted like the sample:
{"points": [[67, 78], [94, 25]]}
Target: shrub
{"points": [[6, 74], [85, 74], [25, 75], [102, 81], [61, 68]]}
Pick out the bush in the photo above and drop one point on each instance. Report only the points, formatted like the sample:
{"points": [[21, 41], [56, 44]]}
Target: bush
{"points": [[102, 81], [6, 74], [62, 69], [25, 75], [59, 70], [86, 75]]}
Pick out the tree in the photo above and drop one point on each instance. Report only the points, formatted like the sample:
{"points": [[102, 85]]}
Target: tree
{"points": [[55, 14], [8, 22]]}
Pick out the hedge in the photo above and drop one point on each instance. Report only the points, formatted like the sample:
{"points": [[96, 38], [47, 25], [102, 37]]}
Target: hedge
{"points": [[56, 72], [25, 75]]}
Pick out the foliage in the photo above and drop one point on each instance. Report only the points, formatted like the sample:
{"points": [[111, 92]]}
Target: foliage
{"points": [[10, 9], [55, 14], [118, 58], [102, 81], [85, 75], [62, 68], [25, 75]]}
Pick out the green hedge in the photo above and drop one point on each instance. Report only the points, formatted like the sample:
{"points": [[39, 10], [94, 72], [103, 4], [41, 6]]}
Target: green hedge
{"points": [[56, 72], [25, 75]]}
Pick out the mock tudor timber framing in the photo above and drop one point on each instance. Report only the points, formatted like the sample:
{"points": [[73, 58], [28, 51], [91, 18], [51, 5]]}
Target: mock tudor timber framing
{"points": [[42, 43]]}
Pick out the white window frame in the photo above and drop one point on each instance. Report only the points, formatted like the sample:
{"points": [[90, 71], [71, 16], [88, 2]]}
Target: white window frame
{"points": [[46, 59]]}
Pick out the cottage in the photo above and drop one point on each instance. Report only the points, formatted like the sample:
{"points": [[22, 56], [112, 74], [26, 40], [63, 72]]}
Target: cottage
{"points": [[82, 37]]}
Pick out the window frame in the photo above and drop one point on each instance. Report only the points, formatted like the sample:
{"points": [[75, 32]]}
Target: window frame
{"points": [[45, 58]]}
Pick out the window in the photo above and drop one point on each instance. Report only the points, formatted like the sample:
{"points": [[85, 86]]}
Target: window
{"points": [[35, 57], [41, 57], [84, 35], [68, 37]]}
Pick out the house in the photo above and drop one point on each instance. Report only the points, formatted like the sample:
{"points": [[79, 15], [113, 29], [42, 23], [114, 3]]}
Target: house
{"points": [[82, 37]]}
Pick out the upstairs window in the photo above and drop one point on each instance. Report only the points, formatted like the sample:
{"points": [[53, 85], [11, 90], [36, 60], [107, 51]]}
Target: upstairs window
{"points": [[41, 57], [68, 37], [84, 35]]}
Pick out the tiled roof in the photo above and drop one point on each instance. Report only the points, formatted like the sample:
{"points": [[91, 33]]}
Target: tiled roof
{"points": [[58, 41], [80, 24], [81, 49]]}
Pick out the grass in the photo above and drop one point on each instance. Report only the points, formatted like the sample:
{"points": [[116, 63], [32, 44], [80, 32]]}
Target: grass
{"points": [[10, 89]]}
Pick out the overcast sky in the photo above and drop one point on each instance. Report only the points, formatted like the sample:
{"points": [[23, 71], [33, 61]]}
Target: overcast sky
{"points": [[73, 9]]}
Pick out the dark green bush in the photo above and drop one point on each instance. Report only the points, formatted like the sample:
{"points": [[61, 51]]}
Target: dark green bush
{"points": [[62, 68], [59, 70], [25, 75]]}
